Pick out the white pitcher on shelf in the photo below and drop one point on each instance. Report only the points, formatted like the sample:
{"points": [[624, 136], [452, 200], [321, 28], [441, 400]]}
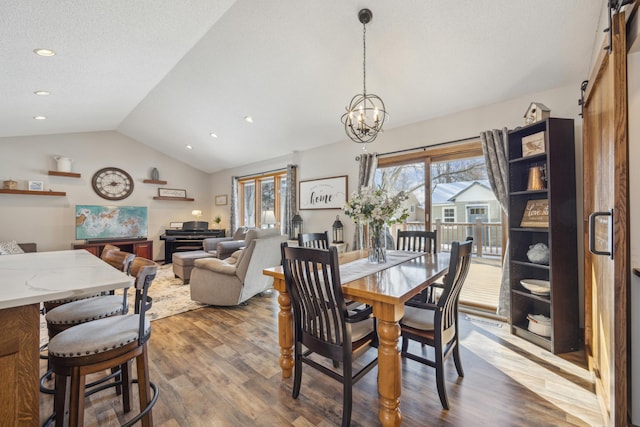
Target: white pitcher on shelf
{"points": [[64, 163]]}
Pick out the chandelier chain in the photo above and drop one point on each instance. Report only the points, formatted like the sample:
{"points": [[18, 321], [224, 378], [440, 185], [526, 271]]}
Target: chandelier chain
{"points": [[364, 59]]}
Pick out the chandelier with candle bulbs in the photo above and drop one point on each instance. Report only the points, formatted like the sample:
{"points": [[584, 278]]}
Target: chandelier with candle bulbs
{"points": [[365, 114]]}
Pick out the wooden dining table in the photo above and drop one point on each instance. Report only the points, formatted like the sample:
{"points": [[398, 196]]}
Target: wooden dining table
{"points": [[27, 280], [386, 291]]}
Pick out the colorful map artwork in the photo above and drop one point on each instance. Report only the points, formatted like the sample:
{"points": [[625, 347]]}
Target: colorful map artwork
{"points": [[105, 222]]}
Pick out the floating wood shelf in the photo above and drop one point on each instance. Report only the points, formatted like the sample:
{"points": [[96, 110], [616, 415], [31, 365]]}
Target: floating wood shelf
{"points": [[33, 193], [155, 181], [177, 199], [68, 174]]}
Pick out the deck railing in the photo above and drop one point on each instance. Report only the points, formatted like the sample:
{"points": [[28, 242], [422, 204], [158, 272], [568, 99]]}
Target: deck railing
{"points": [[487, 236]]}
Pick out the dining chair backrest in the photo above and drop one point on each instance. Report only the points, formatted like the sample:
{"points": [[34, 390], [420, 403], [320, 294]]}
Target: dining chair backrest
{"points": [[314, 240], [144, 270], [312, 277], [458, 269], [106, 248], [417, 241], [119, 259]]}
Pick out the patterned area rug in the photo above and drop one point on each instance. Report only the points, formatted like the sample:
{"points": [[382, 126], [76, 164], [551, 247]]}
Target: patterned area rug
{"points": [[170, 296]]}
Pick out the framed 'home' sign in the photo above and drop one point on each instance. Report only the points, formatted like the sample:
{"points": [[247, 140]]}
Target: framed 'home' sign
{"points": [[326, 193]]}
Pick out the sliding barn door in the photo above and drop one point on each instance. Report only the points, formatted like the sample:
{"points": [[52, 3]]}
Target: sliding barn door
{"points": [[606, 232]]}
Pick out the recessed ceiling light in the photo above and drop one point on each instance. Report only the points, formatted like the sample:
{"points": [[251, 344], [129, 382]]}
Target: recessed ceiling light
{"points": [[44, 52], [213, 135], [40, 117], [42, 92], [189, 147], [248, 119]]}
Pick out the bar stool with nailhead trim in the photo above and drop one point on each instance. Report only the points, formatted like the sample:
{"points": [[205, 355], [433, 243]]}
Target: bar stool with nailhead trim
{"points": [[103, 344]]}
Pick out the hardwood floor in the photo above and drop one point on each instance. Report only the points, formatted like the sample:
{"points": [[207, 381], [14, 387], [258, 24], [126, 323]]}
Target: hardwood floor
{"points": [[219, 367]]}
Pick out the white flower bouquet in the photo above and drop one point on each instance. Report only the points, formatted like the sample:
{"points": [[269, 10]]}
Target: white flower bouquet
{"points": [[376, 207]]}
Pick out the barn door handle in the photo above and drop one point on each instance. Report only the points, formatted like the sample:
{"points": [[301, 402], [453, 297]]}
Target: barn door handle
{"points": [[592, 234]]}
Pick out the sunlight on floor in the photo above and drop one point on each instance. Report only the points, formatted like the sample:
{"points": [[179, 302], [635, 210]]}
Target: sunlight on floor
{"points": [[561, 382]]}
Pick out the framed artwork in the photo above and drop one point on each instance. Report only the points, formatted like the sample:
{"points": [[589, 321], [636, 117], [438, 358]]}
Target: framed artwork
{"points": [[175, 225], [172, 192], [536, 214], [221, 200], [326, 193], [36, 186], [533, 144]]}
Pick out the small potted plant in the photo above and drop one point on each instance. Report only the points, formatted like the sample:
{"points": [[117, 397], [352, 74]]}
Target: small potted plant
{"points": [[217, 219]]}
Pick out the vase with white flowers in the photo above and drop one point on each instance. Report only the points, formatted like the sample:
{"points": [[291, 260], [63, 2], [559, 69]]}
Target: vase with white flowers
{"points": [[376, 208]]}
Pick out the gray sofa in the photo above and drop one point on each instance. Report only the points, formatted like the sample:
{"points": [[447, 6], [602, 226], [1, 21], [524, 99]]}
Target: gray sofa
{"points": [[213, 247], [223, 247], [239, 277]]}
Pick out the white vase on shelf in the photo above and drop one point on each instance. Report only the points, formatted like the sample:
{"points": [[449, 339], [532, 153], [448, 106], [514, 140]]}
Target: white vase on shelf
{"points": [[63, 163]]}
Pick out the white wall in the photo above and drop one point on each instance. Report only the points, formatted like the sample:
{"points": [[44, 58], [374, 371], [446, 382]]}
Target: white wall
{"points": [[50, 221]]}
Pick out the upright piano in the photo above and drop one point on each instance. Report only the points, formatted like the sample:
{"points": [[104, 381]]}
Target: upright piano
{"points": [[188, 238]]}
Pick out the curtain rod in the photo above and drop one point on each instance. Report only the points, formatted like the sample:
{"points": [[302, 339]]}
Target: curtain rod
{"points": [[424, 147], [261, 173]]}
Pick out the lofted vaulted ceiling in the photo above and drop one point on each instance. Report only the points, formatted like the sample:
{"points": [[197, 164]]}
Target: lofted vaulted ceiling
{"points": [[168, 73]]}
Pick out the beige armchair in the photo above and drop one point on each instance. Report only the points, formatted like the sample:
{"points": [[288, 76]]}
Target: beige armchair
{"points": [[236, 279]]}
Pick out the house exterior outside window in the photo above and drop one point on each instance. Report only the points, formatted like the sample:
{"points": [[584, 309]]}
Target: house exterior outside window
{"points": [[449, 214]]}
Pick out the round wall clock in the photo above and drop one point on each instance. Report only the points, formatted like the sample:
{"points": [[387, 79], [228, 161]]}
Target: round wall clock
{"points": [[112, 184]]}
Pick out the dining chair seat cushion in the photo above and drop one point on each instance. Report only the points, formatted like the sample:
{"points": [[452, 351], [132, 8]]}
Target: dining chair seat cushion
{"points": [[423, 319], [71, 299], [361, 329], [86, 310], [418, 318], [98, 336]]}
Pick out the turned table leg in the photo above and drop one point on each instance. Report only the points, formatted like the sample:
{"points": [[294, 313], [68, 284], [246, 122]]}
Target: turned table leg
{"points": [[389, 366], [285, 329]]}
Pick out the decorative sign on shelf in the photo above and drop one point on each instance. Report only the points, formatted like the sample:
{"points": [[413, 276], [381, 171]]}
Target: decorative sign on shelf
{"points": [[326, 193], [536, 214], [533, 144], [172, 192]]}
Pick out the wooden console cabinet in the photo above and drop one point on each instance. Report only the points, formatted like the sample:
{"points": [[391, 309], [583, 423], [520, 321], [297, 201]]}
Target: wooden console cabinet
{"points": [[141, 248]]}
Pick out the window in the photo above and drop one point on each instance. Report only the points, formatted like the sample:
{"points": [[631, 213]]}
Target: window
{"points": [[262, 200], [449, 214]]}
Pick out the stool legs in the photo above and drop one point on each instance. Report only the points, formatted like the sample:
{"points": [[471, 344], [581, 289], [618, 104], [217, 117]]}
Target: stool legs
{"points": [[144, 387]]}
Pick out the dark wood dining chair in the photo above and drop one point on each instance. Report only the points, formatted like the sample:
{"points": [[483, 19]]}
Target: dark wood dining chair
{"points": [[417, 241], [436, 325], [322, 324], [109, 343], [314, 240]]}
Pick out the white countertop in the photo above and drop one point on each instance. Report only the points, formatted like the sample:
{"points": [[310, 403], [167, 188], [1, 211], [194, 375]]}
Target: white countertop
{"points": [[43, 276]]}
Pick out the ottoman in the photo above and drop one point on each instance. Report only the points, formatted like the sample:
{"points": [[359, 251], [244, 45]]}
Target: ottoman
{"points": [[182, 263]]}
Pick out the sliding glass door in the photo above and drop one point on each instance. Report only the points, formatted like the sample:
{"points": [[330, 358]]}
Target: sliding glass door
{"points": [[449, 193]]}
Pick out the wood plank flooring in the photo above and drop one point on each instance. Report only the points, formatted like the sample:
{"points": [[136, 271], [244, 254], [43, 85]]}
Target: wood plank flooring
{"points": [[219, 367]]}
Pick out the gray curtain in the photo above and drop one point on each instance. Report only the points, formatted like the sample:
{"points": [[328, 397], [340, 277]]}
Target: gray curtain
{"points": [[494, 148], [233, 208], [290, 201], [368, 162]]}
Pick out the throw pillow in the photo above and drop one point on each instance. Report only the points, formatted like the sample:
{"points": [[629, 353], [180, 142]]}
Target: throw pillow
{"points": [[10, 247]]}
